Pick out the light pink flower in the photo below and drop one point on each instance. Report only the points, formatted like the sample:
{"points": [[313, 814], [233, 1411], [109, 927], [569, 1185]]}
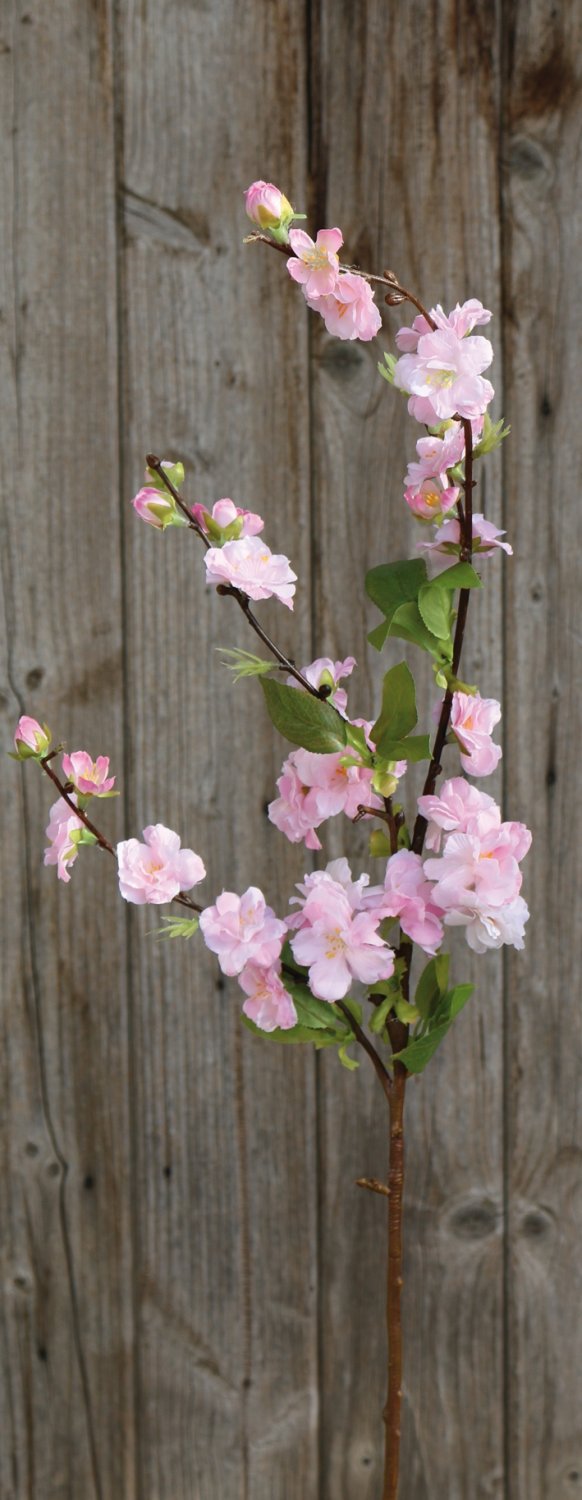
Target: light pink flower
{"points": [[335, 788], [446, 371], [429, 500], [338, 946], [328, 672], [157, 870], [349, 311], [266, 205], [31, 738], [461, 320], [436, 455], [337, 872], [472, 719], [290, 811], [407, 894], [157, 509], [250, 566], [224, 513], [477, 884], [63, 849], [87, 775], [460, 808], [447, 541], [242, 930], [269, 1004], [315, 265]]}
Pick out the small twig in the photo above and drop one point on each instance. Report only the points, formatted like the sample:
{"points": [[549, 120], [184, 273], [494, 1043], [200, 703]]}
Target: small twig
{"points": [[389, 281], [376, 1060], [153, 462], [374, 1186]]}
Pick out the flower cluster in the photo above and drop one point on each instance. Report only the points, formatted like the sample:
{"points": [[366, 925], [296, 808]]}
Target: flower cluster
{"points": [[476, 880], [344, 299]]}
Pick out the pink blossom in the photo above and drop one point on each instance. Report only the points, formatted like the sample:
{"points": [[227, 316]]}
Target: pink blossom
{"points": [[87, 775], [157, 870], [349, 311], [477, 881], [446, 372], [290, 811], [406, 894], [269, 1004], [472, 719], [429, 500], [224, 513], [330, 673], [460, 808], [266, 205], [63, 848], [157, 509], [462, 320], [334, 787], [315, 265], [338, 946], [436, 455], [242, 930], [250, 566], [338, 872], [447, 541], [31, 738]]}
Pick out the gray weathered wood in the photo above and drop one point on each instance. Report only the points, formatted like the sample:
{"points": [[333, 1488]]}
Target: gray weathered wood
{"points": [[544, 1145], [66, 1386], [214, 361]]}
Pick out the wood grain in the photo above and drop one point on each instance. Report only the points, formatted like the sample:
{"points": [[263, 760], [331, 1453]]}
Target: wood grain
{"points": [[544, 1098], [66, 1385]]}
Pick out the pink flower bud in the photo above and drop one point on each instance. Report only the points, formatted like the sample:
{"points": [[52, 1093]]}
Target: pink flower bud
{"points": [[157, 509], [267, 206], [31, 738]]}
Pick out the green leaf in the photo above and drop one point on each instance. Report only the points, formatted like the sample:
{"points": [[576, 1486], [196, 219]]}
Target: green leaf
{"points": [[460, 576], [380, 847], [435, 608], [408, 625], [380, 1015], [393, 584], [419, 1051], [350, 1063], [416, 747], [174, 927], [377, 636], [398, 713], [493, 434], [387, 369], [244, 663], [303, 719], [356, 738], [175, 473], [432, 984], [293, 1034]]}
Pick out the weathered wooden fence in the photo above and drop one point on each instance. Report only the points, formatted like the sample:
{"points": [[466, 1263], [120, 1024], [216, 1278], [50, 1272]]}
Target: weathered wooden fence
{"points": [[191, 1284]]}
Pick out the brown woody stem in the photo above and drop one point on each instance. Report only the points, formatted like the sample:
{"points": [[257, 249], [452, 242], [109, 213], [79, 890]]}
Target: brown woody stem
{"points": [[153, 462], [393, 1408]]}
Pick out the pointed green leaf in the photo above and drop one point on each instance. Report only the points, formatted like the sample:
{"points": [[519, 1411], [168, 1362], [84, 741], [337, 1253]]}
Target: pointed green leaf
{"points": [[303, 719], [432, 984], [408, 625], [379, 635], [419, 1051], [460, 576], [398, 714], [435, 608], [393, 584], [416, 747]]}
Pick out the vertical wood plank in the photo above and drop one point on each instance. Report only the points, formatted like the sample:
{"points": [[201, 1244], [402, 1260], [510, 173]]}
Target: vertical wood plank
{"points": [[66, 1390], [407, 137], [215, 373], [542, 226]]}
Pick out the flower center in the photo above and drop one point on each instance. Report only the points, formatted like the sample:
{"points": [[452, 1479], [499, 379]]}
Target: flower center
{"points": [[335, 943], [440, 378], [316, 258]]}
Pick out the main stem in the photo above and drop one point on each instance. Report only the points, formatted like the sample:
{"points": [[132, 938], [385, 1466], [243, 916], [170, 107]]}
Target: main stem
{"points": [[393, 1408]]}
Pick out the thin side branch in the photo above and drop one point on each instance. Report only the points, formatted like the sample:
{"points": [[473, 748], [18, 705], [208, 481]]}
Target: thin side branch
{"points": [[360, 1035]]}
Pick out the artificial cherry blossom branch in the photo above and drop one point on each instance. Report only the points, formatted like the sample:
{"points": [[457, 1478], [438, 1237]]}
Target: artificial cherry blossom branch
{"points": [[388, 280], [155, 463]]}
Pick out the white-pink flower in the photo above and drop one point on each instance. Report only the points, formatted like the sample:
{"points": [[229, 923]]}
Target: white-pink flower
{"points": [[447, 373], [461, 320], [338, 872], [337, 946], [315, 265], [407, 894], [266, 205], [87, 775], [157, 870], [445, 547], [472, 719], [269, 1004], [242, 930], [250, 566], [30, 737], [459, 808], [477, 882], [330, 673], [63, 849], [430, 500], [349, 311], [224, 513], [335, 788], [291, 812]]}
